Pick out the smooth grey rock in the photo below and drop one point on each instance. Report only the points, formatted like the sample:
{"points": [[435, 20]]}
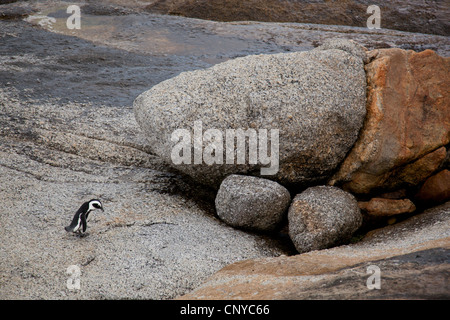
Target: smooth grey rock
{"points": [[322, 217], [251, 202], [315, 99]]}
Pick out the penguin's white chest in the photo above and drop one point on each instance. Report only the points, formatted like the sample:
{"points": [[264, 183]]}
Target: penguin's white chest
{"points": [[77, 227], [79, 223]]}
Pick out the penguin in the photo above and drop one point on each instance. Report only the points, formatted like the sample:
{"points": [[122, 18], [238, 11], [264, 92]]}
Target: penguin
{"points": [[81, 217]]}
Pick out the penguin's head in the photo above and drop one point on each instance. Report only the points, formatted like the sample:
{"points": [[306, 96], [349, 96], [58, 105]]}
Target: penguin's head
{"points": [[95, 204]]}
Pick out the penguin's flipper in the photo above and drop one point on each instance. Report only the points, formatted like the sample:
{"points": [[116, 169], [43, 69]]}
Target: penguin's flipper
{"points": [[83, 221]]}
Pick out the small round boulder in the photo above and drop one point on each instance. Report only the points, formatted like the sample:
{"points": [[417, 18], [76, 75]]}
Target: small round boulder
{"points": [[252, 203], [322, 217]]}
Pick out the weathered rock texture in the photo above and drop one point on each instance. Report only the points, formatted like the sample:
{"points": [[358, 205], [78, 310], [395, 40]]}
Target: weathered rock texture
{"points": [[321, 217], [436, 189], [387, 207], [407, 124], [415, 16], [252, 203], [413, 257], [315, 99]]}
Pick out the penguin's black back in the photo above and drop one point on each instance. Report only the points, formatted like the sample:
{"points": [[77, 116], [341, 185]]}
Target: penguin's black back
{"points": [[84, 207]]}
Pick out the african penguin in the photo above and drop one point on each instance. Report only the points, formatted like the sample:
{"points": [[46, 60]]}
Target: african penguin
{"points": [[81, 217]]}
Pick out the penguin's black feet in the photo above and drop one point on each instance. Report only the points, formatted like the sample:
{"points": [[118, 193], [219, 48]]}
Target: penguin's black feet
{"points": [[82, 234]]}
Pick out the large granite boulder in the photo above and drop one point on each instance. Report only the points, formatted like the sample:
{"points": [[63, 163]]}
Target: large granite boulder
{"points": [[408, 122], [312, 105]]}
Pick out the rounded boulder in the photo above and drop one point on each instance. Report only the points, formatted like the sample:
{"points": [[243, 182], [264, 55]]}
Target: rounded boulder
{"points": [[322, 217], [252, 203]]}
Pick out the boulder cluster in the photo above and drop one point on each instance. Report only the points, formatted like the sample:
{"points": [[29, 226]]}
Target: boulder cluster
{"points": [[362, 135]]}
